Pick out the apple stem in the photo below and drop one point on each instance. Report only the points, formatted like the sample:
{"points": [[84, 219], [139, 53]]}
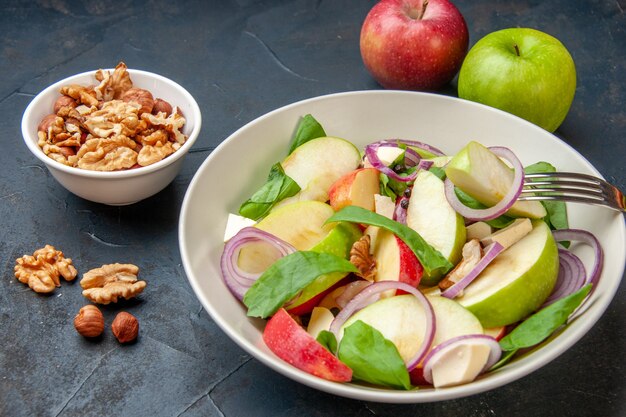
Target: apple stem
{"points": [[516, 49], [424, 4]]}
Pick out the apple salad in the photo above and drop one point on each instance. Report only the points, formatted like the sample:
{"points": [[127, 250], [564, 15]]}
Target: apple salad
{"points": [[401, 266]]}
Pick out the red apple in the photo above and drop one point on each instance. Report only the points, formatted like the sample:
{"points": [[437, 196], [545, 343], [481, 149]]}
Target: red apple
{"points": [[395, 261], [414, 44], [356, 188], [294, 345]]}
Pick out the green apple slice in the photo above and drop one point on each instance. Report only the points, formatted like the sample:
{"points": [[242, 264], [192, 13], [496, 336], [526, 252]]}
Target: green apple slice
{"points": [[402, 320], [317, 164], [516, 282], [302, 225], [430, 215], [481, 174]]}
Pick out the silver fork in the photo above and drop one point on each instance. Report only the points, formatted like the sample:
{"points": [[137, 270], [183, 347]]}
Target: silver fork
{"points": [[575, 187]]}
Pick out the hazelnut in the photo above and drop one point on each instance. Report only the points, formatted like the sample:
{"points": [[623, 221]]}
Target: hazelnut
{"points": [[89, 321], [140, 96], [64, 101], [125, 327], [46, 122], [161, 106]]}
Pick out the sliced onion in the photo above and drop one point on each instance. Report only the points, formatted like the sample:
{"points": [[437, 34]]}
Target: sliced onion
{"points": [[571, 278], [588, 238], [417, 144], [370, 295], [438, 351], [371, 152], [350, 290], [503, 205], [237, 280], [399, 213], [491, 252]]}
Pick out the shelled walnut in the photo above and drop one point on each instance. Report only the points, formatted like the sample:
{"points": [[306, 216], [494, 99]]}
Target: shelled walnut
{"points": [[108, 110], [109, 282], [361, 258], [42, 270]]}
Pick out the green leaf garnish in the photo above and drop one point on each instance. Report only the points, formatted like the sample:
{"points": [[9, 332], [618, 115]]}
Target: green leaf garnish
{"points": [[328, 340], [287, 276], [372, 358], [557, 211], [277, 187], [308, 129], [542, 324], [430, 258]]}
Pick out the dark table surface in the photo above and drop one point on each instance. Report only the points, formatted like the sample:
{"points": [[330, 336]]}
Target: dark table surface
{"points": [[241, 59]]}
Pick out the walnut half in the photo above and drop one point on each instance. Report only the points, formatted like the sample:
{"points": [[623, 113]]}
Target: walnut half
{"points": [[42, 270], [105, 284], [361, 258]]}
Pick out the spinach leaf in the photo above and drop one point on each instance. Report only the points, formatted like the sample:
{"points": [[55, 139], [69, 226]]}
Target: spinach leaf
{"points": [[471, 202], [542, 324], [372, 358], [392, 188], [328, 340], [557, 211], [277, 187], [439, 172], [287, 276], [430, 258], [506, 358], [308, 129]]}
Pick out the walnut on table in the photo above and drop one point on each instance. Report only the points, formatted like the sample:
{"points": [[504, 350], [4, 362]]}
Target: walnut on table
{"points": [[106, 284], [42, 269]]}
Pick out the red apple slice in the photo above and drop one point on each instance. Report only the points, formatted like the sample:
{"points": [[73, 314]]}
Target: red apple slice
{"points": [[356, 188], [495, 332], [394, 260], [294, 345]]}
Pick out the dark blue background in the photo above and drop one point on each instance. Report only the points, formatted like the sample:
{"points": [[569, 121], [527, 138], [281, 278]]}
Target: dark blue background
{"points": [[241, 59]]}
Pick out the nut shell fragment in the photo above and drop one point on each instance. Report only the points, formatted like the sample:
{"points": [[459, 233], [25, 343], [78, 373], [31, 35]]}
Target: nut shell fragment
{"points": [[106, 284]]}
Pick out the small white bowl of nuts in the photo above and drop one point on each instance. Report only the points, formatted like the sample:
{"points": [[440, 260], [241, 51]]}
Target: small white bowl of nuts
{"points": [[112, 136]]}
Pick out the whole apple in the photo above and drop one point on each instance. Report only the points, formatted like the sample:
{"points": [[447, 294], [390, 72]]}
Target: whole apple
{"points": [[522, 71], [414, 44]]}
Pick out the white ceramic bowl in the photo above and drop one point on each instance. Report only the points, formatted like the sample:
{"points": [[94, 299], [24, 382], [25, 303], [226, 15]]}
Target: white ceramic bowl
{"points": [[119, 187], [244, 159]]}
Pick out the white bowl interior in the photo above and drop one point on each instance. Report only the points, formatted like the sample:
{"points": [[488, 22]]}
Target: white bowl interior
{"points": [[244, 160], [119, 187]]}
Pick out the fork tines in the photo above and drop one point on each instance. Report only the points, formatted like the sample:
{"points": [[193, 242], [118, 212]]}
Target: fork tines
{"points": [[569, 186]]}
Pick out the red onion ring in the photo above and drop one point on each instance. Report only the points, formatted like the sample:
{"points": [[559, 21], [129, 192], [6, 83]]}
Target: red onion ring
{"points": [[399, 213], [503, 205], [571, 278], [369, 295], [491, 252], [371, 152], [237, 280], [588, 238], [416, 144], [438, 351], [350, 290]]}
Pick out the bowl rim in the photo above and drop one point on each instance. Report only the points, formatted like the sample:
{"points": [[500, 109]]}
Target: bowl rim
{"points": [[31, 142], [524, 365]]}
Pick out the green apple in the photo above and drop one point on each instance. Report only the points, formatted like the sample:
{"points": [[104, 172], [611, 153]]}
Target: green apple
{"points": [[516, 282], [522, 71], [481, 174], [317, 164], [430, 215], [402, 320], [302, 224]]}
